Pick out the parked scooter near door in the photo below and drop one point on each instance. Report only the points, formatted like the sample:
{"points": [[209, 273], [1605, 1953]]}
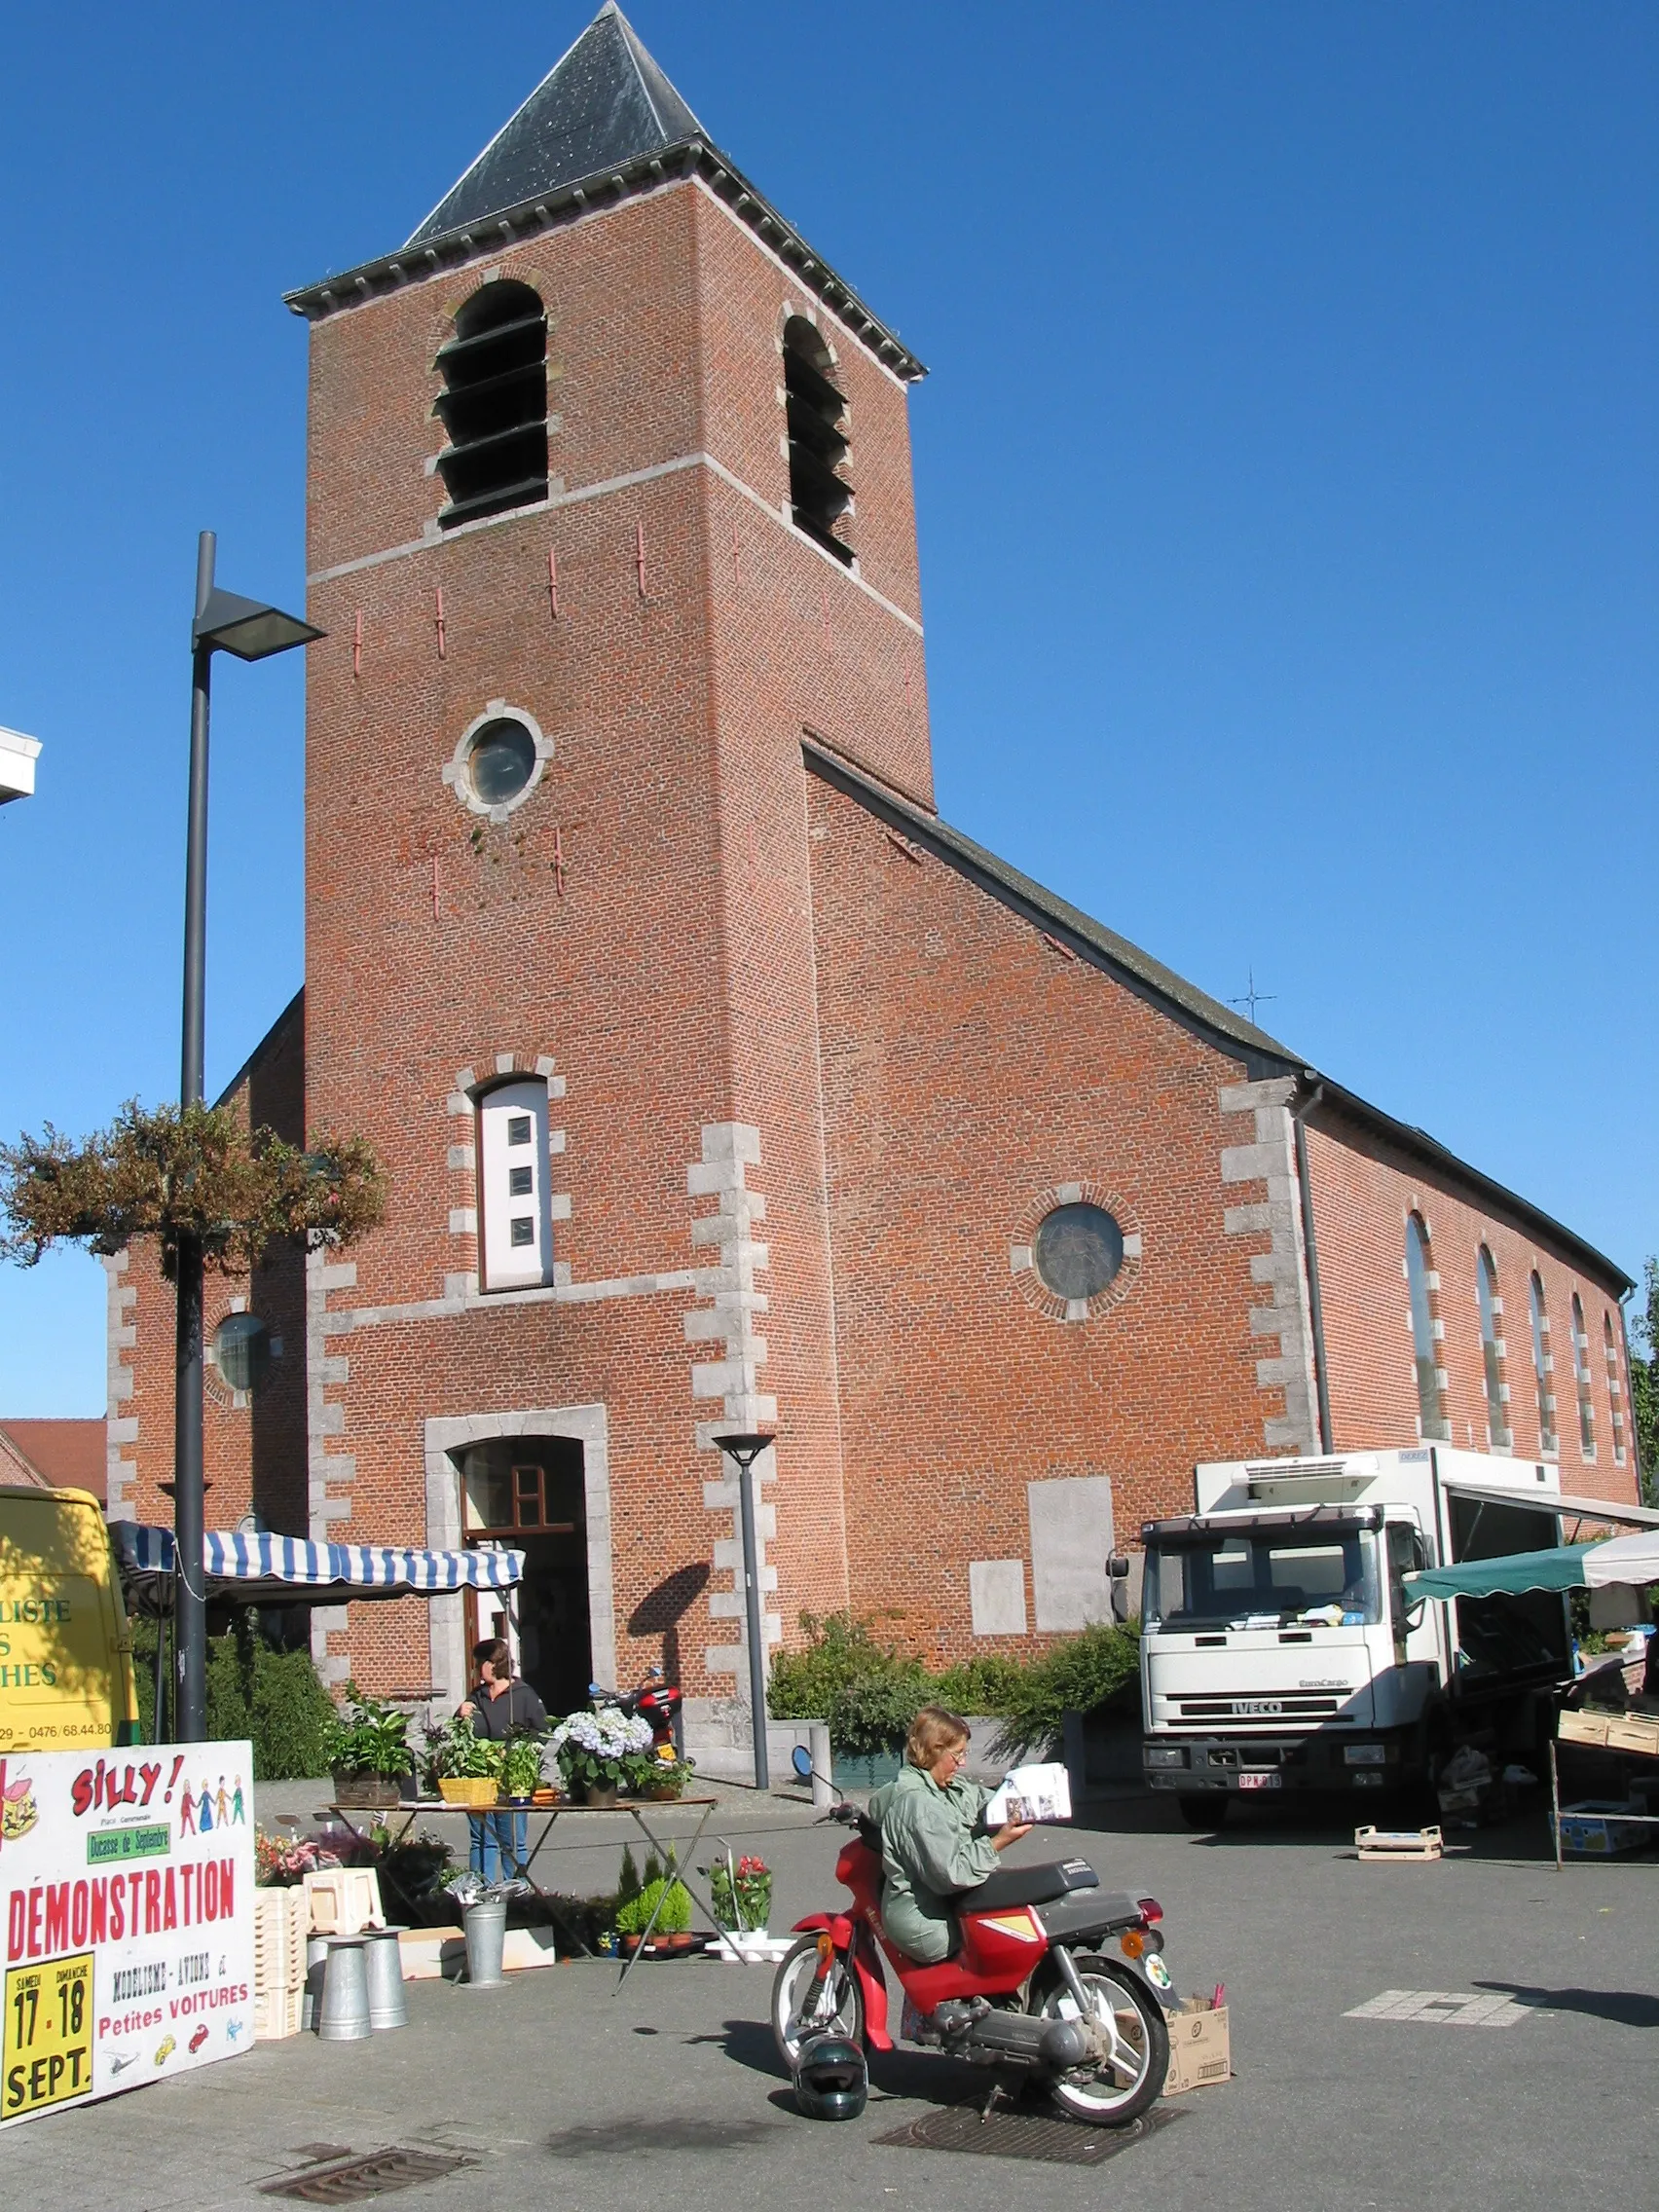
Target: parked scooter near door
{"points": [[1054, 1980], [655, 1702]]}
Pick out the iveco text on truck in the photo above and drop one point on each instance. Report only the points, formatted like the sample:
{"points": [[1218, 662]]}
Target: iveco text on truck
{"points": [[1281, 1650]]}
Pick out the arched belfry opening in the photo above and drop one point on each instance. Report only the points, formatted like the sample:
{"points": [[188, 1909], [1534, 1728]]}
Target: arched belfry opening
{"points": [[819, 494], [495, 404]]}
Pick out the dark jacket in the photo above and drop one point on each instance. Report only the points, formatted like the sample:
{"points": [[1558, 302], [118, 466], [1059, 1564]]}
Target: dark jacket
{"points": [[517, 1712]]}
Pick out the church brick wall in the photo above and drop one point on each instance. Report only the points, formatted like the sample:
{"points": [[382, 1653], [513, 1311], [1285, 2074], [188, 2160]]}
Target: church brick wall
{"points": [[1362, 1195]]}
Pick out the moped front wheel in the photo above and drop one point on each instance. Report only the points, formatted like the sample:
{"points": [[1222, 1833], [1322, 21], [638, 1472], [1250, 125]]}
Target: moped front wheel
{"points": [[1129, 2072], [799, 2011]]}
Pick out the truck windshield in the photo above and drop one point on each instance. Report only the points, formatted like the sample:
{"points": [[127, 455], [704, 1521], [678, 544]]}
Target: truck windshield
{"points": [[1263, 1578]]}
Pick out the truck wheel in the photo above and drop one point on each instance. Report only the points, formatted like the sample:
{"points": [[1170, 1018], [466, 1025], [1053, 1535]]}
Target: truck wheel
{"points": [[1206, 1813]]}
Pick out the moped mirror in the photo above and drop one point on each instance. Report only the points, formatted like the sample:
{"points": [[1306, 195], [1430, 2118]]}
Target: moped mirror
{"points": [[801, 1758]]}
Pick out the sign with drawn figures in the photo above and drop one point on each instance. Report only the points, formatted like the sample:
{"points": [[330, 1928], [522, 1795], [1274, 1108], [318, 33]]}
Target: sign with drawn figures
{"points": [[126, 1884]]}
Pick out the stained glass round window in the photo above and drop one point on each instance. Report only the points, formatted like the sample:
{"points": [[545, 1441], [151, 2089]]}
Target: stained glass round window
{"points": [[501, 762], [242, 1347], [1077, 1250]]}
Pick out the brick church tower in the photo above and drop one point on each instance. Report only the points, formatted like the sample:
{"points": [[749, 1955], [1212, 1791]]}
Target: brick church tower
{"points": [[721, 1084], [582, 541]]}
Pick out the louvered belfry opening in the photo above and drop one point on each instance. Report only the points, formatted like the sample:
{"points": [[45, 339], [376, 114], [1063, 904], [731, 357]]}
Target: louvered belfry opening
{"points": [[817, 439], [495, 404]]}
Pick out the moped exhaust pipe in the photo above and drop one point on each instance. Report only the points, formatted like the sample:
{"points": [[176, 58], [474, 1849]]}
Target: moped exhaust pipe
{"points": [[1020, 2039]]}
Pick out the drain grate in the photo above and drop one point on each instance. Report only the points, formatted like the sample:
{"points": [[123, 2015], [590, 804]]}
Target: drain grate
{"points": [[374, 2174], [1025, 2135]]}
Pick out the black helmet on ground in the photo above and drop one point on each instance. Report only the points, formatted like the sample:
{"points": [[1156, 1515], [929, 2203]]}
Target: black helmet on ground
{"points": [[832, 2080]]}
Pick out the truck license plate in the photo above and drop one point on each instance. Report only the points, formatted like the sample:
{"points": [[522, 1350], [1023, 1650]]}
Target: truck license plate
{"points": [[1261, 1781]]}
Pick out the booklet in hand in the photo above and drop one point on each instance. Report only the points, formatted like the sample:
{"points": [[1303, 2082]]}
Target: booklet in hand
{"points": [[1031, 1793]]}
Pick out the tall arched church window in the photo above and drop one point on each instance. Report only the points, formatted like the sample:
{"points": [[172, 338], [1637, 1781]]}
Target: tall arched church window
{"points": [[1542, 1366], [1491, 1352], [1615, 1394], [820, 494], [1420, 1284], [515, 1215], [1581, 1379], [495, 404]]}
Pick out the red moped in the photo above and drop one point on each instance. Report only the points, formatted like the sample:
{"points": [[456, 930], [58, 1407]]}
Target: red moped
{"points": [[1053, 1980]]}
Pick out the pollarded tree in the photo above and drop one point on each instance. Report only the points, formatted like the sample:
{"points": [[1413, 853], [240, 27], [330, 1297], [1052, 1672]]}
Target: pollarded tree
{"points": [[192, 1172]]}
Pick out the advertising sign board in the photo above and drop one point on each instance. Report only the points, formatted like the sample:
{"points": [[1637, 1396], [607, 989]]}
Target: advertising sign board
{"points": [[127, 1886]]}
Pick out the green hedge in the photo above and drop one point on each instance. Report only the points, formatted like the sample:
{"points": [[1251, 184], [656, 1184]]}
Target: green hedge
{"points": [[254, 1689], [869, 1694]]}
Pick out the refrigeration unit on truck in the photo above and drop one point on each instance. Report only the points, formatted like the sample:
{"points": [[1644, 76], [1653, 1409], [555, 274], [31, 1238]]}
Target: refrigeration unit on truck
{"points": [[1280, 1651]]}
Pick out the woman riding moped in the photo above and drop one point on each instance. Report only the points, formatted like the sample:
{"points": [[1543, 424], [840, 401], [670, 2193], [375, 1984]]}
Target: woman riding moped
{"points": [[934, 1841]]}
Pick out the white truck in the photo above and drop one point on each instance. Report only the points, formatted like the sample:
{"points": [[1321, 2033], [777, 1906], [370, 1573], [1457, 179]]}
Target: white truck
{"points": [[1279, 1650]]}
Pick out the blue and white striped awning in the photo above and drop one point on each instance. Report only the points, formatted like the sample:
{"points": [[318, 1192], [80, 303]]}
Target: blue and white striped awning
{"points": [[292, 1565]]}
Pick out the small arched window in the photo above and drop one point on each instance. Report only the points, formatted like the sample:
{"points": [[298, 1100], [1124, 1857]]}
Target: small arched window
{"points": [[820, 494], [515, 1206], [495, 404], [1425, 1330], [1543, 1366], [1492, 1353], [1615, 1395], [1581, 1379]]}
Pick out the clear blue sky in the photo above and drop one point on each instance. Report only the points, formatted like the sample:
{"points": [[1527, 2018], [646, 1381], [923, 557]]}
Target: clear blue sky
{"points": [[1286, 478]]}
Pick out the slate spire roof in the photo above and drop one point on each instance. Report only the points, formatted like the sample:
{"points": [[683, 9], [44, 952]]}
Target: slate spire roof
{"points": [[605, 104]]}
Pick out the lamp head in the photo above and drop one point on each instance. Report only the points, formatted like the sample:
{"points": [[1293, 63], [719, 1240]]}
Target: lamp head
{"points": [[248, 627]]}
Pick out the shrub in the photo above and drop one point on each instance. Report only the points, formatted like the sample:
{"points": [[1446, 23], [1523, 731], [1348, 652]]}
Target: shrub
{"points": [[254, 1689], [634, 1914], [1097, 1668], [867, 1693], [986, 1684]]}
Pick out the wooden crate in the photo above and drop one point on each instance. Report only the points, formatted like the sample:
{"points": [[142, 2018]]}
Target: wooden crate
{"points": [[276, 2015], [1409, 1847], [1584, 1728], [1634, 1732], [280, 1918]]}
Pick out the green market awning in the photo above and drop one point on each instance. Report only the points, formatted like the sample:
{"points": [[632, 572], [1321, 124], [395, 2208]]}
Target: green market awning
{"points": [[1560, 1568]]}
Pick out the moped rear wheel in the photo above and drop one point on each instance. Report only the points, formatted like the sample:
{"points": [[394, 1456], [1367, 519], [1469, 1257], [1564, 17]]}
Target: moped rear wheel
{"points": [[1117, 2087], [798, 2015]]}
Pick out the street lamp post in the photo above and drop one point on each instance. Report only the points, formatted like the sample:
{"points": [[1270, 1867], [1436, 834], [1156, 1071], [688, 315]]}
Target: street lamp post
{"points": [[745, 1451], [251, 631]]}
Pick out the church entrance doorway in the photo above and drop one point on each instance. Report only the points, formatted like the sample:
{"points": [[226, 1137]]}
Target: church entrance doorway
{"points": [[528, 1493]]}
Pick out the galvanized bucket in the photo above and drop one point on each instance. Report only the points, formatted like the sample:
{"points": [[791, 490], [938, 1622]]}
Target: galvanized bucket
{"points": [[344, 2016], [387, 2007], [316, 1960], [486, 1935]]}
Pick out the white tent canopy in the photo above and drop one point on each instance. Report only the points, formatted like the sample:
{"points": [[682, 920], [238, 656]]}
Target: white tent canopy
{"points": [[1629, 1560]]}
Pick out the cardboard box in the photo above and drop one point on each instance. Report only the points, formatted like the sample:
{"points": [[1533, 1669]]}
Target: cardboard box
{"points": [[1200, 2051], [432, 1954]]}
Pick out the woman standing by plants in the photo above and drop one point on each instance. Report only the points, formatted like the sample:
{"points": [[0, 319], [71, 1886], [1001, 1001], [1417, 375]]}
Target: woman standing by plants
{"points": [[501, 1708]]}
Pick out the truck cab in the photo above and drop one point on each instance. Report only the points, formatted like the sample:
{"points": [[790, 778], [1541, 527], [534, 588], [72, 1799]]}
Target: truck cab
{"points": [[1279, 1649]]}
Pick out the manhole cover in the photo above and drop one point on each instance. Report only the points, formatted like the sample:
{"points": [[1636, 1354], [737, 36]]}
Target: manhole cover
{"points": [[376, 2174], [1025, 2135]]}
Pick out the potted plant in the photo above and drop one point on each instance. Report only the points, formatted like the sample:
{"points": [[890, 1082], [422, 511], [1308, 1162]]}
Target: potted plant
{"points": [[367, 1746], [595, 1751], [741, 1894], [521, 1767], [662, 1779], [464, 1767], [672, 1932]]}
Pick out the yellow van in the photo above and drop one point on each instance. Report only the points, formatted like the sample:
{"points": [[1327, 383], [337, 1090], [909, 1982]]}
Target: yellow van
{"points": [[66, 1649]]}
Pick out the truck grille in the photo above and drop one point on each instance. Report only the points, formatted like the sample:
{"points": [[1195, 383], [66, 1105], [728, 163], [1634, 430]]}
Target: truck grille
{"points": [[1284, 1705]]}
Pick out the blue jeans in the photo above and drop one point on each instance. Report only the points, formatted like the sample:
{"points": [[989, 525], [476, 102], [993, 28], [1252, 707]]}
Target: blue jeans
{"points": [[500, 1841]]}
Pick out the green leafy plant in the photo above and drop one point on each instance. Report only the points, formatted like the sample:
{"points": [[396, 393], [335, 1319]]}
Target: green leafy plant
{"points": [[255, 1689], [172, 1172], [455, 1752], [628, 1883], [989, 1682], [521, 1765], [369, 1737], [867, 1693]]}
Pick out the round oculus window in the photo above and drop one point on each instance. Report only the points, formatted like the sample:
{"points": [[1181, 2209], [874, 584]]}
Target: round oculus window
{"points": [[1078, 1251], [241, 1349], [501, 762]]}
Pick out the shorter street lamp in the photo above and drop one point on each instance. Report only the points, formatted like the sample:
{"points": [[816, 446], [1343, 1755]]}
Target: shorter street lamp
{"points": [[226, 623], [745, 1451]]}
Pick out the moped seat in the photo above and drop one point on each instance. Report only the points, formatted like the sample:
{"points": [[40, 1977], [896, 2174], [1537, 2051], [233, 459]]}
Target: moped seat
{"points": [[1028, 1885]]}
